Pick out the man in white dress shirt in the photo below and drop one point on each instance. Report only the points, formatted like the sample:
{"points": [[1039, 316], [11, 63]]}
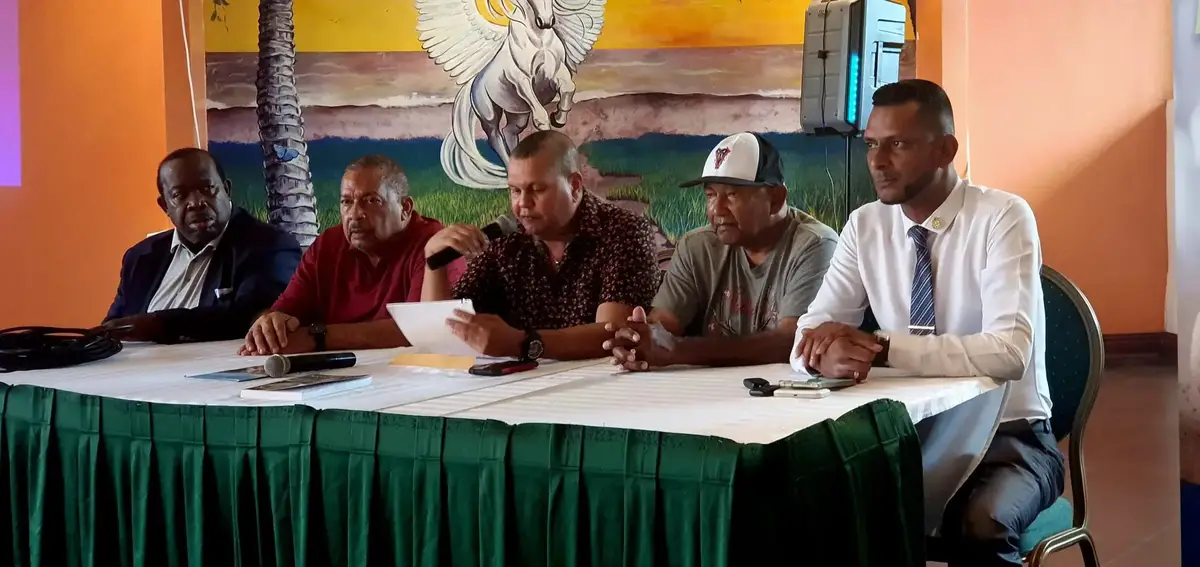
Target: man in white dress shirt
{"points": [[951, 272]]}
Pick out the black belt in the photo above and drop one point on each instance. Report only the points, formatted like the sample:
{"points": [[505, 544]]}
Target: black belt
{"points": [[1037, 425]]}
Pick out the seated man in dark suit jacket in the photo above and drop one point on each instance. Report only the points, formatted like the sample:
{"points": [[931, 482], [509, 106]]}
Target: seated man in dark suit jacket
{"points": [[213, 275]]}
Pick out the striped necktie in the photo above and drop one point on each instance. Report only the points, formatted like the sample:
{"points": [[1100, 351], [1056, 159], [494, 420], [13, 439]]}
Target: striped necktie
{"points": [[921, 320]]}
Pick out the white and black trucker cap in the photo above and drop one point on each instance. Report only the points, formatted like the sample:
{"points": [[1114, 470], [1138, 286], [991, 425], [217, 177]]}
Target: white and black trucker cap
{"points": [[744, 159]]}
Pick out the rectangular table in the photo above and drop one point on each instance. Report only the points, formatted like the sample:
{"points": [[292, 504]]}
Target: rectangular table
{"points": [[125, 459]]}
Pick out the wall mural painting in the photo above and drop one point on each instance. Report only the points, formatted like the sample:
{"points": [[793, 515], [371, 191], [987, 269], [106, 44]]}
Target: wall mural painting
{"points": [[297, 89]]}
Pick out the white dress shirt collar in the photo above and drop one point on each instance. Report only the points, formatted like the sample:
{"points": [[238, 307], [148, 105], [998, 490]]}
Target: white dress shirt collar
{"points": [[176, 241], [182, 285], [944, 216]]}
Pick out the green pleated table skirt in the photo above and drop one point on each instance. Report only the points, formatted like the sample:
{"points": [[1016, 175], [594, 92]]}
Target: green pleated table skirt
{"points": [[95, 481]]}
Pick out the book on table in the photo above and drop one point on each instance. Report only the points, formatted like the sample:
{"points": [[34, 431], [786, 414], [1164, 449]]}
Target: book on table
{"points": [[307, 387], [236, 375]]}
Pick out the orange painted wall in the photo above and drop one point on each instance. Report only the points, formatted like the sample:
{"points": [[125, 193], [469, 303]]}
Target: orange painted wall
{"points": [[94, 127], [1071, 117]]}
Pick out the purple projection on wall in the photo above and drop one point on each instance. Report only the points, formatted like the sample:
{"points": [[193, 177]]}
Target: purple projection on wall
{"points": [[10, 97]]}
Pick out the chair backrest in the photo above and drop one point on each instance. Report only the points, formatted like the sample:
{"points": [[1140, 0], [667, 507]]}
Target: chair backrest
{"points": [[1074, 354], [1074, 363]]}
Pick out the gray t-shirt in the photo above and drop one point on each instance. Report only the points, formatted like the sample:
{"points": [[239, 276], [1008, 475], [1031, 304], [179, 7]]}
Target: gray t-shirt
{"points": [[713, 290]]}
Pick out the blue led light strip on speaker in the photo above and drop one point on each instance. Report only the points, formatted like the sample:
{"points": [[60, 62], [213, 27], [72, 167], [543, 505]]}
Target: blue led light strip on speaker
{"points": [[852, 90]]}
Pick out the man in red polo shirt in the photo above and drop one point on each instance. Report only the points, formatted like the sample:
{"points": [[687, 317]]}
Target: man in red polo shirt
{"points": [[338, 298]]}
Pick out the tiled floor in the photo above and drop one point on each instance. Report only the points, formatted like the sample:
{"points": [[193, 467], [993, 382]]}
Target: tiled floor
{"points": [[1131, 451]]}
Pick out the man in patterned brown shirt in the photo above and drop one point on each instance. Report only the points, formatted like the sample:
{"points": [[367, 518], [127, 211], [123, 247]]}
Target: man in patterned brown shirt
{"points": [[574, 264]]}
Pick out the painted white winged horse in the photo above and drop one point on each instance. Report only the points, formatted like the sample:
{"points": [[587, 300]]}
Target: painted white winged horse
{"points": [[508, 73]]}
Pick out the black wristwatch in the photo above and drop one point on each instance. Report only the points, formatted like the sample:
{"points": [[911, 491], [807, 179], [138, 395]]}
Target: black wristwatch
{"points": [[317, 332], [881, 358], [532, 348]]}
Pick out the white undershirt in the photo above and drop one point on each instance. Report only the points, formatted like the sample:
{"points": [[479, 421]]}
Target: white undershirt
{"points": [[989, 310], [183, 284]]}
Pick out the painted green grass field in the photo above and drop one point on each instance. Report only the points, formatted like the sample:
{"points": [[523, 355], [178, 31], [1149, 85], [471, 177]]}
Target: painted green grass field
{"points": [[814, 168]]}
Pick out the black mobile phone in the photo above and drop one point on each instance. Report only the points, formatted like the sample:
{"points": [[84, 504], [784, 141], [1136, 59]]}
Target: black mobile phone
{"points": [[760, 388], [503, 368]]}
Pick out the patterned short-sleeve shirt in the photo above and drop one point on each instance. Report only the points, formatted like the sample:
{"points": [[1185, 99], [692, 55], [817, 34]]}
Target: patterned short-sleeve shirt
{"points": [[610, 260]]}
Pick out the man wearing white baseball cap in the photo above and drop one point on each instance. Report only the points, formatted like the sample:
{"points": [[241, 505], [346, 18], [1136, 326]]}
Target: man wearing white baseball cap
{"points": [[735, 288]]}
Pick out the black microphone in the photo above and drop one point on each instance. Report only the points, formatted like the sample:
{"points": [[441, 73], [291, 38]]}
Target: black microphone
{"points": [[501, 226], [278, 365]]}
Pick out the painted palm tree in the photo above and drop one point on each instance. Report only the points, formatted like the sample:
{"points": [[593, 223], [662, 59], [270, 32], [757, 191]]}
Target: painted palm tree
{"points": [[291, 204]]}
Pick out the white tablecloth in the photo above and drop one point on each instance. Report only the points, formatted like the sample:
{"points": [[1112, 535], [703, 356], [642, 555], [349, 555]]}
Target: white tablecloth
{"points": [[157, 373], [700, 401]]}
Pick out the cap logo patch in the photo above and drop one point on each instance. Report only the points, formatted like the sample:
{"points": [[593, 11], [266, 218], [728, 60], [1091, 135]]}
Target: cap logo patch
{"points": [[719, 157]]}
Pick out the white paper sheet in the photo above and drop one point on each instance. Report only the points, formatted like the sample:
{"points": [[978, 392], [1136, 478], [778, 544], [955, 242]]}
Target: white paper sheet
{"points": [[424, 325]]}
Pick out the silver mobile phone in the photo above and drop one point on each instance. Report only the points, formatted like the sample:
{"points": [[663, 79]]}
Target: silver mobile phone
{"points": [[817, 383], [817, 393]]}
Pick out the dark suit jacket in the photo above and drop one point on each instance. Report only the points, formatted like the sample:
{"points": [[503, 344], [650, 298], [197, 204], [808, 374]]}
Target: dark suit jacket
{"points": [[251, 266]]}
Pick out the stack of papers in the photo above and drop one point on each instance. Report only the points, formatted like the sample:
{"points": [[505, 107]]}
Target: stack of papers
{"points": [[430, 360], [434, 345], [305, 387], [424, 325]]}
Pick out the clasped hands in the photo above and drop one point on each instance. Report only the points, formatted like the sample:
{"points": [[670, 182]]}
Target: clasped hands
{"points": [[638, 344], [837, 350]]}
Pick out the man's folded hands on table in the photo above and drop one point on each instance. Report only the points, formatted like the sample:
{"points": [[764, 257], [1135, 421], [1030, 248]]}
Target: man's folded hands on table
{"points": [[638, 344], [837, 350]]}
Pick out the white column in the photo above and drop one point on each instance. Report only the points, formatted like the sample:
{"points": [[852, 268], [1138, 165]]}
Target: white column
{"points": [[1170, 317]]}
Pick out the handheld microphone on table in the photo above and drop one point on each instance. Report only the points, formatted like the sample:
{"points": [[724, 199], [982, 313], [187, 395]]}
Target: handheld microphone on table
{"points": [[501, 226], [278, 365]]}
